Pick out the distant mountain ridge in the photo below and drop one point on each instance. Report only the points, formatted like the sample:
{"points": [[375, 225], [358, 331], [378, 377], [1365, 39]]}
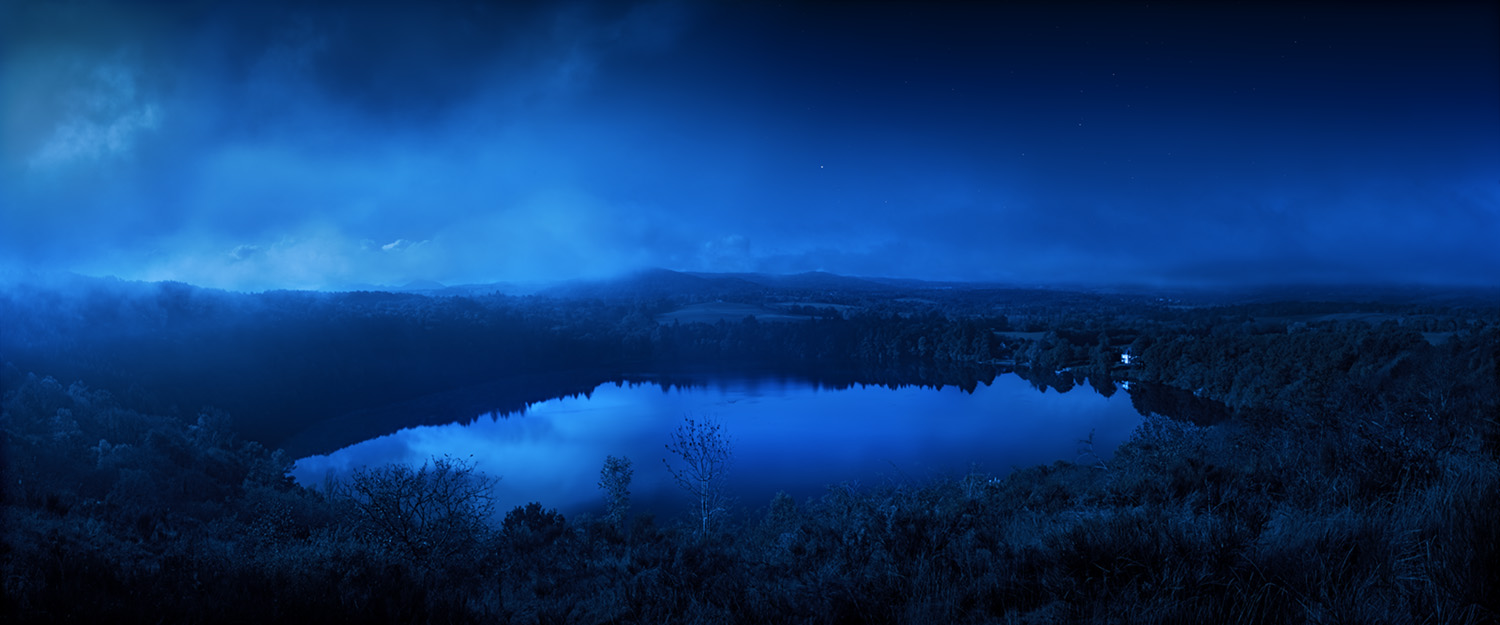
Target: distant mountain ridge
{"points": [[811, 280], [666, 282], [657, 283]]}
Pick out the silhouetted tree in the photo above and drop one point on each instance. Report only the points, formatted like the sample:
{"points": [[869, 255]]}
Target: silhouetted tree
{"points": [[703, 455], [614, 480]]}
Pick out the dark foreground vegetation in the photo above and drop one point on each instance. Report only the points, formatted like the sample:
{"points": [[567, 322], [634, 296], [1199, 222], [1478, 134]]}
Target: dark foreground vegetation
{"points": [[1357, 480]]}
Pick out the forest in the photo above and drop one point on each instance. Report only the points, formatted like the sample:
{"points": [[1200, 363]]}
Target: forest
{"points": [[1350, 473]]}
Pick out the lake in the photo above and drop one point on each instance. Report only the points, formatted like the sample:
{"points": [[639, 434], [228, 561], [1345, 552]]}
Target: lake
{"points": [[787, 435]]}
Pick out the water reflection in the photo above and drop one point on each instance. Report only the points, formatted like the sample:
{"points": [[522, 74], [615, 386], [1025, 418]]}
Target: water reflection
{"points": [[788, 435]]}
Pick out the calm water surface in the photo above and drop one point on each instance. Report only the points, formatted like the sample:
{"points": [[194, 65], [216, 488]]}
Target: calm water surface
{"points": [[787, 436]]}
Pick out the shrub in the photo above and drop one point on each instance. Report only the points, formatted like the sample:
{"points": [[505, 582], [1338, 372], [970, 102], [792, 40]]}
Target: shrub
{"points": [[437, 511]]}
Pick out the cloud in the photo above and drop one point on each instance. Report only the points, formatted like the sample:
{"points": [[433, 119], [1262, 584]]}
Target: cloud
{"points": [[100, 118], [549, 235], [728, 254], [423, 62], [302, 145], [313, 258], [244, 252], [399, 245]]}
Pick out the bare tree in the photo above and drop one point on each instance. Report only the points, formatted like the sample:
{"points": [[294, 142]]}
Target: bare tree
{"points": [[439, 510], [703, 455]]}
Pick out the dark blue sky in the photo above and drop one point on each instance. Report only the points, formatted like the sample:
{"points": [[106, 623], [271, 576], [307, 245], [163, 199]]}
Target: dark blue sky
{"points": [[280, 144]]}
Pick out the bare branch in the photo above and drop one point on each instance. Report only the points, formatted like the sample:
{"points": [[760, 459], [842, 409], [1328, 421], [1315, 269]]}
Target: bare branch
{"points": [[703, 453]]}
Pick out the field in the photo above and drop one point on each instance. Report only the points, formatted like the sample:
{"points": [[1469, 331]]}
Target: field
{"points": [[1372, 318], [713, 312], [843, 308], [1025, 336]]}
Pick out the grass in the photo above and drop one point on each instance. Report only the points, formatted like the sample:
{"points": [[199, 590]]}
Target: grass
{"points": [[714, 312]]}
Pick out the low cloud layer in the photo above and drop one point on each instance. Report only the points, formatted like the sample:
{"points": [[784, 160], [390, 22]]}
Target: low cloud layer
{"points": [[324, 145]]}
